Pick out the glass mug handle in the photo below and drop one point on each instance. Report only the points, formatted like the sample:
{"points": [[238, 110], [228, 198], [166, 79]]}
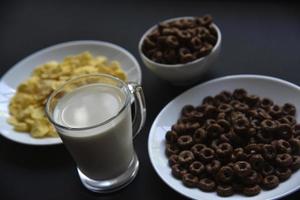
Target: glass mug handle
{"points": [[140, 107]]}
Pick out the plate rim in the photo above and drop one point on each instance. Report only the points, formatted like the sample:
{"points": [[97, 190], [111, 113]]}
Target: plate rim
{"points": [[238, 76], [37, 53]]}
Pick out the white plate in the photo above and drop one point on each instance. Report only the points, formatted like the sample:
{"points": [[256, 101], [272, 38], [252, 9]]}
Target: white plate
{"points": [[279, 90], [22, 70]]}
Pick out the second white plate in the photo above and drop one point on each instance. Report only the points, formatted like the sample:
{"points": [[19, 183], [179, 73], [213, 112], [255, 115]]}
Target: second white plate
{"points": [[279, 90], [22, 70]]}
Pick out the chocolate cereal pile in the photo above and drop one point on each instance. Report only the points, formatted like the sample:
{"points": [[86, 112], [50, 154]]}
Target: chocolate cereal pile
{"points": [[234, 143], [181, 41]]}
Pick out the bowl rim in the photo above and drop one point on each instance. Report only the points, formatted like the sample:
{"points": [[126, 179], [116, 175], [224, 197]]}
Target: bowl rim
{"points": [[216, 46]]}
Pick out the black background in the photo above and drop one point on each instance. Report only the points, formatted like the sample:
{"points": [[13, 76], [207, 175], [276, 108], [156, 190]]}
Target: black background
{"points": [[258, 38]]}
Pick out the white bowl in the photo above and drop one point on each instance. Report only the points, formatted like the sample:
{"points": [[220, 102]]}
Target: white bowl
{"points": [[181, 74], [22, 70]]}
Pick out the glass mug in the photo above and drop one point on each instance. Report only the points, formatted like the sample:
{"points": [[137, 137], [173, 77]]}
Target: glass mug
{"points": [[92, 115]]}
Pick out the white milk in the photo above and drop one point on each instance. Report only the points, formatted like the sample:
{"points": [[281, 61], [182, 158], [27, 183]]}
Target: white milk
{"points": [[103, 152]]}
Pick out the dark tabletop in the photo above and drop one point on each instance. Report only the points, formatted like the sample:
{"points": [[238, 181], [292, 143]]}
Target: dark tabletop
{"points": [[258, 38]]}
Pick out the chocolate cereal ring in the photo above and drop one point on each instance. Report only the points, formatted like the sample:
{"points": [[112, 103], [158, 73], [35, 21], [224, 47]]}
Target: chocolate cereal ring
{"points": [[213, 167], [224, 150], [171, 149], [225, 174], [268, 151], [196, 168], [257, 161], [225, 190], [185, 141], [178, 171], [282, 146], [289, 109], [242, 168], [251, 190], [270, 182], [207, 184], [196, 149], [207, 154], [267, 170], [186, 157], [171, 136], [283, 173], [284, 160], [296, 163], [200, 135], [190, 180], [173, 159]]}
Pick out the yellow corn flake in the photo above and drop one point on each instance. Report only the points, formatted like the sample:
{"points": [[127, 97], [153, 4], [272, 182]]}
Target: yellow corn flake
{"points": [[27, 106]]}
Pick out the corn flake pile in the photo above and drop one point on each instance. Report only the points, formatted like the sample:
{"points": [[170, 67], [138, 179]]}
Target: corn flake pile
{"points": [[27, 105]]}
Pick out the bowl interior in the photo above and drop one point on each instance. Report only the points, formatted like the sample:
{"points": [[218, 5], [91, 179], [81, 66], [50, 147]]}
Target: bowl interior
{"points": [[216, 46]]}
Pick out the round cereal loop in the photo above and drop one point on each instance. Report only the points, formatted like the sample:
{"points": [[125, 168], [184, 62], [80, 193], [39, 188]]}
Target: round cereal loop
{"points": [[208, 100], [186, 157], [262, 114], [224, 124], [196, 149], [241, 126], [171, 149], [268, 125], [275, 111], [242, 168], [296, 163], [283, 173], [289, 109], [270, 182], [211, 111], [179, 128], [295, 145], [224, 150], [224, 107], [242, 107], [207, 154], [178, 171], [213, 167], [284, 131], [257, 161], [267, 170], [207, 184], [251, 190], [185, 141], [284, 160], [200, 135], [190, 180], [173, 159], [239, 154], [196, 168], [225, 190], [239, 94], [187, 110], [171, 136], [252, 100], [251, 178], [268, 151], [214, 130], [282, 146], [266, 103], [225, 174]]}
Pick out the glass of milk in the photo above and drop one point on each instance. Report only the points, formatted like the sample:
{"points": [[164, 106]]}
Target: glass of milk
{"points": [[92, 114]]}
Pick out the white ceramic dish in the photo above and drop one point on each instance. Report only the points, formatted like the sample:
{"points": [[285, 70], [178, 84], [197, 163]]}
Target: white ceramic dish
{"points": [[182, 74], [22, 70], [279, 90]]}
